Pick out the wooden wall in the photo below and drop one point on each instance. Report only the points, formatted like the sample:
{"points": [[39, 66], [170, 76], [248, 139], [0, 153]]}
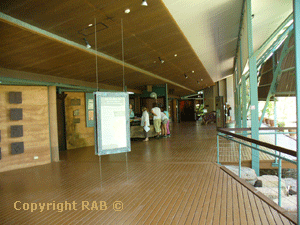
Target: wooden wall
{"points": [[35, 127], [78, 135]]}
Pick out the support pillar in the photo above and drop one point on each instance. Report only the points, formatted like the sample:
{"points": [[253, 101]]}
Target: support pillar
{"points": [[244, 100], [297, 64], [253, 90], [54, 146]]}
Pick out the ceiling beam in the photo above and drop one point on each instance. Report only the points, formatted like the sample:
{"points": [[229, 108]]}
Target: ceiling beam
{"points": [[15, 22]]}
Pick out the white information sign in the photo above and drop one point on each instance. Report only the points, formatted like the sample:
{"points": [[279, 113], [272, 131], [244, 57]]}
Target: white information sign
{"points": [[113, 121], [112, 129]]}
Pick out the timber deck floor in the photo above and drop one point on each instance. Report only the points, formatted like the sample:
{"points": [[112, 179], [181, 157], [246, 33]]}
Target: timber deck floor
{"points": [[165, 181]]}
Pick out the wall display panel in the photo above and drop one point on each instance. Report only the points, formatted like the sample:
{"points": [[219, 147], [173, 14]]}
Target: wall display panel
{"points": [[16, 131], [15, 97], [35, 125], [112, 123], [17, 148], [75, 102], [16, 114], [89, 103]]}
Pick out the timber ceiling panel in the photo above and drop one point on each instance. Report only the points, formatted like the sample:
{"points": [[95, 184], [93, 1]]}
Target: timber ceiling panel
{"points": [[148, 33]]}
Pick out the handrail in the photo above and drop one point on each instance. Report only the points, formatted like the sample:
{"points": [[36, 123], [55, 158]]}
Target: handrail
{"points": [[225, 133], [257, 142]]}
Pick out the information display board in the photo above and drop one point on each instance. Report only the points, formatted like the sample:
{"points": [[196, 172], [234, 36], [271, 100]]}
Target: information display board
{"points": [[112, 123], [89, 109]]}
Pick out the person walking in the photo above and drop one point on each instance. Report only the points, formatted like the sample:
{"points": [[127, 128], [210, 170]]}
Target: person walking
{"points": [[164, 121], [145, 123], [168, 123], [156, 119]]}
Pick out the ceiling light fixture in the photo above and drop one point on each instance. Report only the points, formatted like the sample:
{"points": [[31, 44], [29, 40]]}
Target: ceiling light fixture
{"points": [[193, 71], [201, 79], [175, 55], [186, 77], [90, 24], [144, 3], [127, 11], [161, 60], [87, 43]]}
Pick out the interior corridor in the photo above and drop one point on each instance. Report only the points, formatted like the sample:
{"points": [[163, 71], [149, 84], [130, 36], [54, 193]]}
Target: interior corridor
{"points": [[165, 181]]}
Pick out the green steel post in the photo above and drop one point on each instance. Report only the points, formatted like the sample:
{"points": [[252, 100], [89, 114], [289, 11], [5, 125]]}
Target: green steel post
{"points": [[279, 181], [239, 74], [276, 74], [275, 124], [297, 63], [244, 106], [253, 89], [218, 150], [240, 160]]}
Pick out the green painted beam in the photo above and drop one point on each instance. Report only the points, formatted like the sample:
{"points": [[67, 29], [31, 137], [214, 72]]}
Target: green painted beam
{"points": [[297, 64], [274, 34], [277, 74]]}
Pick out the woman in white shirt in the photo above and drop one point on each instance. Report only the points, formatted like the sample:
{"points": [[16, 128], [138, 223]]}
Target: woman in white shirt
{"points": [[145, 123]]}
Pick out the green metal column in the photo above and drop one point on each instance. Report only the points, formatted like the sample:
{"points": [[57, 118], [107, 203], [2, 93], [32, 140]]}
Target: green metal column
{"points": [[237, 103], [244, 91], [244, 100], [253, 90], [297, 63]]}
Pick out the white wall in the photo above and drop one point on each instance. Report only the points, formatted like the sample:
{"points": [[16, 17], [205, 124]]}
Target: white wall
{"points": [[209, 98]]}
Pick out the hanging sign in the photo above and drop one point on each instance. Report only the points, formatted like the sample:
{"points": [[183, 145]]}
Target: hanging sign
{"points": [[112, 123]]}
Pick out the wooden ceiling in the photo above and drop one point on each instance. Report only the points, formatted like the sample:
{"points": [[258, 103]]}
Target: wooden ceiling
{"points": [[148, 33]]}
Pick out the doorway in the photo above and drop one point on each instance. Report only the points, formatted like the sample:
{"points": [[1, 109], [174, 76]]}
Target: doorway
{"points": [[61, 121]]}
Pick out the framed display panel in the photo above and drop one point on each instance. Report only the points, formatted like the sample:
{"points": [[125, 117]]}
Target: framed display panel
{"points": [[89, 109], [112, 123]]}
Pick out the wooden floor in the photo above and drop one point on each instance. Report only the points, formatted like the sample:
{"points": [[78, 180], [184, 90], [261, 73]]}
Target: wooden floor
{"points": [[166, 181]]}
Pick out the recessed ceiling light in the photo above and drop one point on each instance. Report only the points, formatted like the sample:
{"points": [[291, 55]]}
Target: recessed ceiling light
{"points": [[161, 60], [193, 71], [144, 3], [175, 55], [90, 24], [127, 11], [154, 62], [201, 79]]}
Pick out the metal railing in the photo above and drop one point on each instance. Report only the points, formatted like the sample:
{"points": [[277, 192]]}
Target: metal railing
{"points": [[239, 136]]}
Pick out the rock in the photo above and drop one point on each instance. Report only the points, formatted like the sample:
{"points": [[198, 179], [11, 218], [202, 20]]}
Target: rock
{"points": [[292, 183], [288, 203], [292, 192], [272, 181], [258, 183], [271, 192], [247, 174]]}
